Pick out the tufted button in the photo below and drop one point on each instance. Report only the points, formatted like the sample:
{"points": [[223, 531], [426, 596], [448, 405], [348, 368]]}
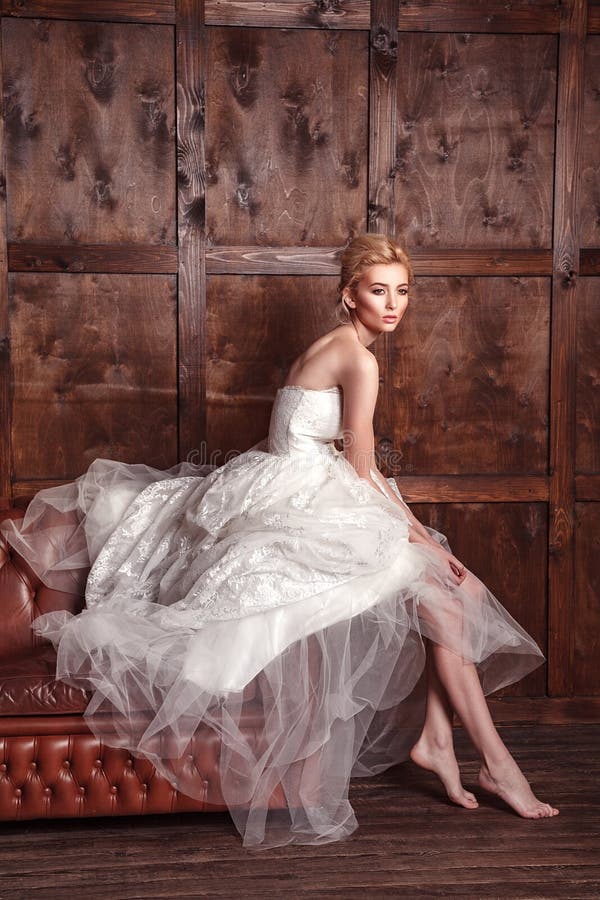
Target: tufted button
{"points": [[67, 764], [18, 792], [114, 789], [144, 788], [81, 789], [48, 792], [98, 763], [130, 763], [33, 765], [190, 755], [3, 767]]}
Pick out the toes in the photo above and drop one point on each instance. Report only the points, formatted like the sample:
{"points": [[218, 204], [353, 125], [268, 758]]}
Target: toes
{"points": [[469, 798]]}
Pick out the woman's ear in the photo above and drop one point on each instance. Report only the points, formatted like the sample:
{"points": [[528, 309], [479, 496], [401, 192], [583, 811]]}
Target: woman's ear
{"points": [[348, 298]]}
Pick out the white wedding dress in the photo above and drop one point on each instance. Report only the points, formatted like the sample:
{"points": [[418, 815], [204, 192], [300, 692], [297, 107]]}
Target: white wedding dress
{"points": [[279, 589]]}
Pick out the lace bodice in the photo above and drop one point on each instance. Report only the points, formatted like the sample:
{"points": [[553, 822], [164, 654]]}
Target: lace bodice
{"points": [[304, 420]]}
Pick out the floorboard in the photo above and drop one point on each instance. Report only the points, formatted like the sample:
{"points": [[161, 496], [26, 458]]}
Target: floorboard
{"points": [[412, 842]]}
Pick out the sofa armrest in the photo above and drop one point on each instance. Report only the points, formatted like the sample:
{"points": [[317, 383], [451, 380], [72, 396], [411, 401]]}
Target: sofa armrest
{"points": [[23, 597]]}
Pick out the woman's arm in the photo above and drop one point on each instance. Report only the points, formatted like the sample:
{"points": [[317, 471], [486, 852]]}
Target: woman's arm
{"points": [[360, 383], [389, 492]]}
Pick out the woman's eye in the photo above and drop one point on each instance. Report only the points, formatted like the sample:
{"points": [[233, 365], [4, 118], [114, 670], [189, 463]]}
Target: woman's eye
{"points": [[402, 291]]}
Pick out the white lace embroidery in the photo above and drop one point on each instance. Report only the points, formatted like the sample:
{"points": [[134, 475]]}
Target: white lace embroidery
{"points": [[266, 529]]}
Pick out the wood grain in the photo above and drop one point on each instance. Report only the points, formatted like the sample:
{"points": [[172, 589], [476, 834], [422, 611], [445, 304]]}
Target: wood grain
{"points": [[325, 261], [589, 262], [593, 20], [588, 376], [590, 148], [475, 140], [382, 96], [252, 260], [472, 488], [587, 487], [286, 159], [89, 118], [470, 378], [541, 17], [561, 559], [117, 258], [150, 11], [132, 258], [191, 220], [550, 710], [383, 87], [342, 14], [584, 608], [434, 261], [93, 363]]}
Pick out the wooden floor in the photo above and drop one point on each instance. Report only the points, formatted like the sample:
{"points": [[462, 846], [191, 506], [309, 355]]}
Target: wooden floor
{"points": [[411, 842]]}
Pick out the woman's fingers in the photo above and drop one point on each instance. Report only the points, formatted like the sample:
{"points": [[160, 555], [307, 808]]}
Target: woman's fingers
{"points": [[458, 569]]}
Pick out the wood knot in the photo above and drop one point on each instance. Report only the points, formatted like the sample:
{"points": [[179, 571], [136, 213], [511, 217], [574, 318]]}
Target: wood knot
{"points": [[383, 44]]}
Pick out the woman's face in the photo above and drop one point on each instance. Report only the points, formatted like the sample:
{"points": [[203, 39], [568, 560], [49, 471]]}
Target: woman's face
{"points": [[381, 296]]}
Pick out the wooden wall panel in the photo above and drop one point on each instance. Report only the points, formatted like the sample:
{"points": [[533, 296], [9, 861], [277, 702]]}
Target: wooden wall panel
{"points": [[255, 326], [563, 348], [454, 125], [289, 13], [590, 147], [191, 222], [588, 376], [151, 11], [475, 140], [89, 113], [585, 609], [286, 145], [470, 377], [93, 371], [520, 16], [504, 544]]}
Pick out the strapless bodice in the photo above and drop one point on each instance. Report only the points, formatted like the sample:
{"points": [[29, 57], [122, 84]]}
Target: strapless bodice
{"points": [[304, 420]]}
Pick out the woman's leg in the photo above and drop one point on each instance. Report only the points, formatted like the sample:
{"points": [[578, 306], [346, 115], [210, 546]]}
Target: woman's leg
{"points": [[461, 689], [499, 772], [435, 749]]}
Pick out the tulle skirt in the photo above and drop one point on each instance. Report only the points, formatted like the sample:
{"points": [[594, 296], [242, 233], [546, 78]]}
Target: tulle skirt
{"points": [[275, 601]]}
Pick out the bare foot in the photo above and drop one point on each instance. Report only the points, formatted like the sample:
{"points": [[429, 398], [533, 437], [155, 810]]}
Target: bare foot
{"points": [[509, 783], [441, 760]]}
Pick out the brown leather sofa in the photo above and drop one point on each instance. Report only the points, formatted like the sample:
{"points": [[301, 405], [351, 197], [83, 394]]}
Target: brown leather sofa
{"points": [[50, 764]]}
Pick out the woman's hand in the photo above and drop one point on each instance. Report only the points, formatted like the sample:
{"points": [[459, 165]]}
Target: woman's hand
{"points": [[457, 569]]}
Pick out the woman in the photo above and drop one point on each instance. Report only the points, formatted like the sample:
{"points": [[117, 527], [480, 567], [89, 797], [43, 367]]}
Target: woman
{"points": [[291, 588]]}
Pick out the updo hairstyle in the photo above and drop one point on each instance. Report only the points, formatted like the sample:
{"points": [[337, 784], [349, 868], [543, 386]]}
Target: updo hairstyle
{"points": [[364, 251]]}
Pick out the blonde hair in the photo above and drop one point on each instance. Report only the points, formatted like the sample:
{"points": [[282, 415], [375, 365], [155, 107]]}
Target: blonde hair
{"points": [[364, 251]]}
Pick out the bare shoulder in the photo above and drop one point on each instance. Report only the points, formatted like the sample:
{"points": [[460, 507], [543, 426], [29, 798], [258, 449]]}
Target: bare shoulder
{"points": [[359, 376], [357, 361], [336, 357]]}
